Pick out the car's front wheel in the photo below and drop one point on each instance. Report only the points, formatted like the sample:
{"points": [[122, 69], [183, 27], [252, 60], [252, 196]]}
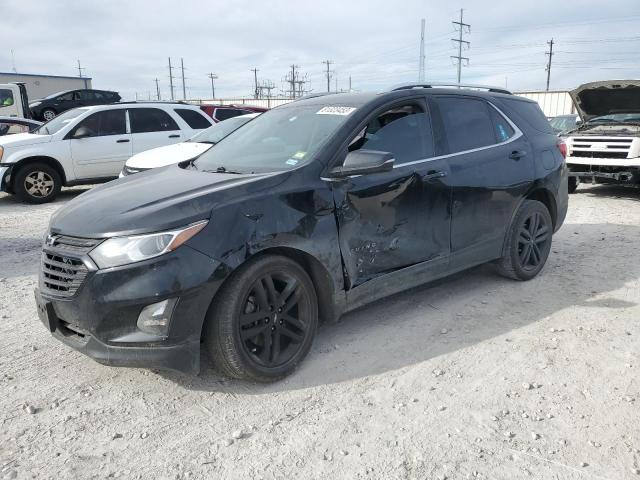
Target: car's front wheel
{"points": [[37, 183], [263, 321], [48, 114], [528, 242]]}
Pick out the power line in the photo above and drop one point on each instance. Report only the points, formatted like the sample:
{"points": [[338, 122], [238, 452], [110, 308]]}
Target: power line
{"points": [[550, 54], [460, 28]]}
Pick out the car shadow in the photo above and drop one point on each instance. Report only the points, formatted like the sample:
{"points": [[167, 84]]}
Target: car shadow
{"points": [[65, 195], [470, 307], [628, 192]]}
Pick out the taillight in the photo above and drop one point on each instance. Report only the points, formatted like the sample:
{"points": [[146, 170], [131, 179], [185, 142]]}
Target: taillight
{"points": [[563, 148]]}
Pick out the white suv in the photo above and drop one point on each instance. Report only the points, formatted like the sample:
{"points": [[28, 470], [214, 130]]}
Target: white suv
{"points": [[90, 145]]}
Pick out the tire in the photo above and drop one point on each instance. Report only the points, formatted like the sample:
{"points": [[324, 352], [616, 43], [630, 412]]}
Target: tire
{"points": [[37, 183], [263, 320], [524, 254], [573, 184], [48, 114]]}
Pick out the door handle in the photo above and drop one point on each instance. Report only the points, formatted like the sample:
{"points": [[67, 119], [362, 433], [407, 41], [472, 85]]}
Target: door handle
{"points": [[174, 136], [434, 174], [517, 154], [123, 140]]}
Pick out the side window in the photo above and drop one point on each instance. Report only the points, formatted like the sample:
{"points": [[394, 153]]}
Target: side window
{"points": [[67, 97], [503, 130], [108, 122], [193, 118], [144, 120], [225, 113], [467, 123], [404, 131], [6, 98], [86, 95]]}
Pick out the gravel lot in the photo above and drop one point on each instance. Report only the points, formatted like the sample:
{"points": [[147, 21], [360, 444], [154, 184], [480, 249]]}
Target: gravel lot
{"points": [[475, 376]]}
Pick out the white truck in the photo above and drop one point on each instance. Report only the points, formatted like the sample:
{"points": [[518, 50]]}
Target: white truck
{"points": [[605, 148], [14, 101]]}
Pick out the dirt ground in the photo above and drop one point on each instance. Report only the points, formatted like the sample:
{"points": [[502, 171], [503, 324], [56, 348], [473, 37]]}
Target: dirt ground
{"points": [[475, 376]]}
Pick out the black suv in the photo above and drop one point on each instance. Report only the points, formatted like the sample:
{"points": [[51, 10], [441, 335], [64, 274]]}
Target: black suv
{"points": [[48, 107], [311, 209]]}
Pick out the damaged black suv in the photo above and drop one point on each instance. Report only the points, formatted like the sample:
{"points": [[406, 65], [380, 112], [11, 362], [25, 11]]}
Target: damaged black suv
{"points": [[312, 209]]}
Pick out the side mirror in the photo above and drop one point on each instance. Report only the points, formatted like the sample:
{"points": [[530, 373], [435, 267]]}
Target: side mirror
{"points": [[363, 162], [82, 132]]}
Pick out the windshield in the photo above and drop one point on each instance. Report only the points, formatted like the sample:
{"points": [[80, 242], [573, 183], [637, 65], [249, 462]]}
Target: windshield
{"points": [[280, 139], [562, 124], [59, 122], [220, 130], [617, 118]]}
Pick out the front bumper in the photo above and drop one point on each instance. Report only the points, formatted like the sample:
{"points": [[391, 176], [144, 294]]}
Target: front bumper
{"points": [[100, 318]]}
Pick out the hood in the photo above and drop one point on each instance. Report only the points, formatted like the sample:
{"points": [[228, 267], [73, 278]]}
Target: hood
{"points": [[603, 98], [23, 139], [155, 200], [163, 156]]}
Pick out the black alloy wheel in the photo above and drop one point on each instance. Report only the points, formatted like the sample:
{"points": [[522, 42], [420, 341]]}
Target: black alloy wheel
{"points": [[533, 238], [263, 320], [528, 242]]}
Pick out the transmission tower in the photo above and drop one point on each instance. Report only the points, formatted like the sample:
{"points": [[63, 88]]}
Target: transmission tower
{"points": [[421, 66], [461, 27]]}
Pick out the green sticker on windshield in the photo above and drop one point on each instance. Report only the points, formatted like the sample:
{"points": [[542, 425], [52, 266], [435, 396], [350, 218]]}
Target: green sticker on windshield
{"points": [[299, 155]]}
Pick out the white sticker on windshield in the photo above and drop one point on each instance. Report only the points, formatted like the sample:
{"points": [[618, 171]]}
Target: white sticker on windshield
{"points": [[335, 110]]}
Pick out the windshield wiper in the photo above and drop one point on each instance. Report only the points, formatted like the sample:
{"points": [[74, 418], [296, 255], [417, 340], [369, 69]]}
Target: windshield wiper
{"points": [[222, 169]]}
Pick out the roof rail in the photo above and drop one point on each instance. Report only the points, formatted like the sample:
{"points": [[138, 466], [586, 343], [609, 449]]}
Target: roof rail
{"points": [[177, 102], [409, 86], [315, 95]]}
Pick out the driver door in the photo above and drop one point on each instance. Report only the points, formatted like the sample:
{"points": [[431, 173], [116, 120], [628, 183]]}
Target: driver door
{"points": [[106, 147], [391, 220]]}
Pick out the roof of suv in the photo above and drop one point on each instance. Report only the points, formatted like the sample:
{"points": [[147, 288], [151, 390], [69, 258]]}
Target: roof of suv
{"points": [[110, 106]]}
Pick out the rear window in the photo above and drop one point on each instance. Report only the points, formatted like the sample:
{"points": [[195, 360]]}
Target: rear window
{"points": [[144, 120], [467, 123], [193, 118], [529, 112], [6, 98], [224, 113]]}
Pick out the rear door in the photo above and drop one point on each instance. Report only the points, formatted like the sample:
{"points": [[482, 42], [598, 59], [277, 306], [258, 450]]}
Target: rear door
{"points": [[491, 168], [103, 153], [151, 128], [394, 219]]}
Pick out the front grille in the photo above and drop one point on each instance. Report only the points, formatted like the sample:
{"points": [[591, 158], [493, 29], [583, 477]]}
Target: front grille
{"points": [[592, 154], [62, 275], [603, 147], [63, 271]]}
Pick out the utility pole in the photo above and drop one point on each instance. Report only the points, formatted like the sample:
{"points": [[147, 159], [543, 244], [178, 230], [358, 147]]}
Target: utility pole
{"points": [[255, 82], [184, 89], [79, 69], [421, 66], [291, 80], [13, 61], [328, 74], [548, 69], [171, 77], [349, 82], [157, 89], [336, 83], [461, 28], [213, 77]]}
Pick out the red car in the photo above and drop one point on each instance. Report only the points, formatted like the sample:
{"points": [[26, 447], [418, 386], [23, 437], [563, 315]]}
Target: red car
{"points": [[223, 112]]}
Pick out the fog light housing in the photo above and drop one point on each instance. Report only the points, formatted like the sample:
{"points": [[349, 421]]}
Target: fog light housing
{"points": [[155, 318]]}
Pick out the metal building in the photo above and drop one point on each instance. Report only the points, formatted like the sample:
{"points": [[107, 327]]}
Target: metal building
{"points": [[553, 103], [39, 86]]}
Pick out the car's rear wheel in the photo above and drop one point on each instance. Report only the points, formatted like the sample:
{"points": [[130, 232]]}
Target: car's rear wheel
{"points": [[528, 242], [573, 184], [37, 183], [263, 321], [48, 114]]}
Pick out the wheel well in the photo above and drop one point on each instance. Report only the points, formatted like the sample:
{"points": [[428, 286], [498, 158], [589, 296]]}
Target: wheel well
{"points": [[546, 197], [52, 162]]}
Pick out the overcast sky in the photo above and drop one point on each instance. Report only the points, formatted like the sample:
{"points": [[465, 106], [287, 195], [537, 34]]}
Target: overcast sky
{"points": [[124, 45]]}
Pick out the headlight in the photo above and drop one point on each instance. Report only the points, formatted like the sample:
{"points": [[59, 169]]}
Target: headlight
{"points": [[118, 251], [34, 104]]}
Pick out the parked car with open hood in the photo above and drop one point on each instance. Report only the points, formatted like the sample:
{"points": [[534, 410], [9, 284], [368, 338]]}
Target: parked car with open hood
{"points": [[605, 148], [89, 145], [311, 209], [48, 107], [188, 150]]}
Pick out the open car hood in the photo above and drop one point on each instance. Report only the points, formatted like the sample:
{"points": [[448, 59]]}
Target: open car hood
{"points": [[603, 98]]}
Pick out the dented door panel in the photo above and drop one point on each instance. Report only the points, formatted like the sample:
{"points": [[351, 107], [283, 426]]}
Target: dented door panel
{"points": [[393, 220]]}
